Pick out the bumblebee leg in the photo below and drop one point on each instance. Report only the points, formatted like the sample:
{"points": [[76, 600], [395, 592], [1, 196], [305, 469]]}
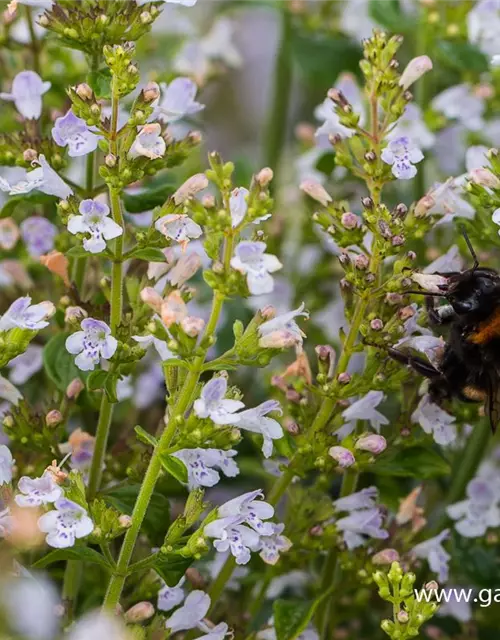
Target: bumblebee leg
{"points": [[439, 315], [417, 364]]}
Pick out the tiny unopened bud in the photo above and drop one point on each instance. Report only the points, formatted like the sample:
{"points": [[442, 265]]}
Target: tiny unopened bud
{"points": [[74, 388], [43, 20], [385, 230], [344, 259], [110, 160], [192, 326], [334, 138], [125, 521], [195, 137], [376, 324], [190, 188], [400, 211], [349, 220], [30, 155], [316, 191], [402, 617], [83, 91], [394, 298], [406, 312], [139, 613], [264, 177], [431, 586], [145, 17], [386, 556], [74, 315], [398, 240], [268, 312], [208, 201], [414, 70], [342, 456], [367, 203], [316, 531], [485, 178], [132, 69], [53, 418], [374, 443], [95, 109], [344, 378], [370, 156], [361, 262], [337, 97], [305, 132], [411, 255], [152, 298], [151, 91]]}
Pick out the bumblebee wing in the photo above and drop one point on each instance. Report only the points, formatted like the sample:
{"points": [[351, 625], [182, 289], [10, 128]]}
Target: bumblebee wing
{"points": [[494, 399]]}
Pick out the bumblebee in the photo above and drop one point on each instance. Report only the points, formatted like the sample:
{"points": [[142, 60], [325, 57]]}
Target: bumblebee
{"points": [[469, 368]]}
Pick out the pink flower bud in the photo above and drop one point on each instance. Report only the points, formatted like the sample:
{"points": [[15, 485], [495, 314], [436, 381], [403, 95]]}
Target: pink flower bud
{"points": [[374, 443], [342, 456], [386, 556], [186, 267], [110, 160], [281, 339], [344, 378], [30, 155], [190, 188], [423, 206], [316, 191], [139, 612], [485, 178], [83, 91], [268, 312], [173, 310], [74, 315], [53, 418], [264, 177], [361, 262], [152, 298], [406, 313], [125, 521], [192, 326], [376, 324], [349, 220], [151, 91], [403, 616], [208, 201], [74, 388], [415, 69]]}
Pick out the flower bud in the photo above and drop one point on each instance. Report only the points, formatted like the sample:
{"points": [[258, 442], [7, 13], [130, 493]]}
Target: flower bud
{"points": [[423, 206], [397, 240], [342, 456], [386, 556], [267, 313], [53, 418], [110, 160], [344, 378], [125, 521], [361, 262], [173, 310], [208, 201], [145, 17], [9, 234], [316, 191], [337, 97], [484, 177], [291, 426], [376, 324], [151, 92], [186, 267], [405, 313], [195, 137], [192, 326], [152, 298], [414, 70], [74, 388], [195, 578], [349, 220], [56, 262], [403, 617], [374, 443], [190, 188], [30, 155], [367, 202], [264, 177], [431, 586], [139, 612], [74, 315], [83, 91]]}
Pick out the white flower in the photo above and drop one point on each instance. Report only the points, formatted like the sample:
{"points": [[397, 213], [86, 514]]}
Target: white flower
{"points": [[433, 551], [412, 125], [495, 60], [446, 200], [26, 365], [414, 70], [37, 491], [483, 26], [149, 142], [255, 420], [238, 205], [460, 103], [177, 100], [355, 19], [252, 511], [201, 465], [271, 546], [43, 178], [364, 519], [26, 93], [230, 533], [73, 132], [170, 597], [97, 625], [178, 227], [95, 221], [9, 392], [212, 404], [435, 421], [24, 315], [283, 330], [65, 524], [326, 110], [496, 217], [192, 612], [6, 463], [479, 511], [160, 346], [91, 344], [363, 409], [401, 153], [250, 259]]}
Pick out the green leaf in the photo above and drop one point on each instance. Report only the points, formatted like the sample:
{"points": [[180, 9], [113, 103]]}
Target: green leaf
{"points": [[291, 617], [326, 164], [171, 567], [59, 364], [85, 554], [462, 56], [100, 81], [110, 387], [151, 254], [77, 252], [413, 462], [31, 198], [96, 380], [144, 436], [388, 14], [150, 198], [174, 467], [157, 518]]}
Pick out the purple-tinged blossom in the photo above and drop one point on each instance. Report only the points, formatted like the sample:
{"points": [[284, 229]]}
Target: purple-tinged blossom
{"points": [[361, 524], [342, 456], [43, 179], [326, 112], [38, 234], [192, 612], [72, 132], [283, 331], [94, 221], [431, 346], [480, 510], [461, 103], [6, 464], [483, 26], [35, 492], [364, 499], [238, 205], [230, 533], [177, 100], [149, 142], [373, 443], [212, 403], [178, 227], [91, 344], [251, 260], [363, 409], [402, 153], [414, 70], [271, 546], [435, 421], [170, 597], [24, 315], [160, 346], [9, 234], [24, 366], [9, 393], [433, 551], [256, 420], [67, 522], [26, 93], [201, 465], [411, 124], [219, 632], [252, 511]]}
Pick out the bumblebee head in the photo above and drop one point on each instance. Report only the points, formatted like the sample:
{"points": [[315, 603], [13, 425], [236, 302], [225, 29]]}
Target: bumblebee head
{"points": [[475, 291]]}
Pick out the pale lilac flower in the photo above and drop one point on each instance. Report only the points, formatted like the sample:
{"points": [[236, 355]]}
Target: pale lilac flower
{"points": [[219, 632], [9, 392], [72, 132], [483, 26], [252, 511], [201, 465], [435, 421], [212, 403], [95, 221], [230, 533], [461, 103], [446, 200], [479, 511], [433, 551], [271, 546], [458, 608], [355, 19], [91, 344], [26, 365], [238, 205], [255, 420], [326, 110], [251, 260], [177, 100], [149, 142], [43, 178], [412, 125], [24, 315], [6, 464], [67, 522], [98, 626], [192, 612], [170, 597], [414, 70], [363, 409], [218, 44], [449, 261], [37, 491], [496, 217], [401, 153], [160, 346], [283, 329], [178, 227], [295, 581], [26, 93], [359, 524], [431, 346], [364, 499], [38, 234], [342, 456]]}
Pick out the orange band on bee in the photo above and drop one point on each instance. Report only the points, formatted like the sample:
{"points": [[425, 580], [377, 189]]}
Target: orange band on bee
{"points": [[487, 330]]}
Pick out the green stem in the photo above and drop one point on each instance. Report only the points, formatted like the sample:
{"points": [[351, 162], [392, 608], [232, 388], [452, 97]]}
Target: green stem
{"points": [[217, 586], [276, 128], [101, 441], [71, 585]]}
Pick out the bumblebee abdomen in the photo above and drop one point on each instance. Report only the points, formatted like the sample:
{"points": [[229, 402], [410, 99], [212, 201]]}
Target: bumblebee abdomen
{"points": [[486, 330]]}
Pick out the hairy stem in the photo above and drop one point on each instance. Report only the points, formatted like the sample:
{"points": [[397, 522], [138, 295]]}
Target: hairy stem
{"points": [[71, 586]]}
